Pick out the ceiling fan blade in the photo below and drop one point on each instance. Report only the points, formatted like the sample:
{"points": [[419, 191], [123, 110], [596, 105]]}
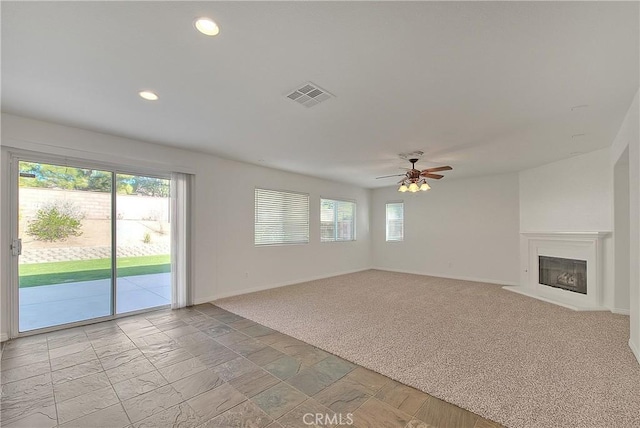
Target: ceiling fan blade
{"points": [[434, 176], [439, 168], [394, 175]]}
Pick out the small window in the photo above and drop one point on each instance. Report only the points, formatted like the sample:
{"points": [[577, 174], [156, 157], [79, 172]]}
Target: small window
{"points": [[395, 221], [281, 218], [337, 220]]}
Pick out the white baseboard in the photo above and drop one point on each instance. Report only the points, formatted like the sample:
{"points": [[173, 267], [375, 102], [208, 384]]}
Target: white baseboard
{"points": [[635, 350], [270, 286], [461, 278], [620, 311], [4, 337]]}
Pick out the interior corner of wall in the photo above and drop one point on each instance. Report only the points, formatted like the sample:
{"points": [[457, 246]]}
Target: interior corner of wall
{"points": [[635, 349]]}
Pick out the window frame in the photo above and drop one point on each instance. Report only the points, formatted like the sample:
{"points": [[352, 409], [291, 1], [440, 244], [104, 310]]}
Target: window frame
{"points": [[354, 220], [386, 221]]}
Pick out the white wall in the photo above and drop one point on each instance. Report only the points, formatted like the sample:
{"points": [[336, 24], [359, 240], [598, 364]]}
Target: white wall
{"points": [[464, 229], [226, 260], [628, 138], [621, 231], [571, 195]]}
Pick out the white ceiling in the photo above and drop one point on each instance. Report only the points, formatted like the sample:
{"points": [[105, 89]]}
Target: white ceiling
{"points": [[485, 87]]}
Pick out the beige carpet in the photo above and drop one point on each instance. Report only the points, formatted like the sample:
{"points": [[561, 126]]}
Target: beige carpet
{"points": [[507, 357]]}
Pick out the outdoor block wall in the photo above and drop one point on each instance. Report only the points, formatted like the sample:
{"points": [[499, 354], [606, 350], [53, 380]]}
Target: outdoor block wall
{"points": [[95, 205]]}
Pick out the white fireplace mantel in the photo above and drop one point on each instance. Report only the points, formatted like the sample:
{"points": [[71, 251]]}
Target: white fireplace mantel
{"points": [[565, 235], [571, 245]]}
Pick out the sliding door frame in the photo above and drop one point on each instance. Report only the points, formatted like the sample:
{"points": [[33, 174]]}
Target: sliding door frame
{"points": [[16, 156]]}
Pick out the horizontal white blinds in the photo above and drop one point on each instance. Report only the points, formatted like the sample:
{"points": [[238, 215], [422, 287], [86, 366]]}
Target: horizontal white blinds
{"points": [[281, 217], [337, 220], [395, 221]]}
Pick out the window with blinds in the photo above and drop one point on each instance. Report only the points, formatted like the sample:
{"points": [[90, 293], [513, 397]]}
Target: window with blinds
{"points": [[395, 221], [337, 220], [281, 217]]}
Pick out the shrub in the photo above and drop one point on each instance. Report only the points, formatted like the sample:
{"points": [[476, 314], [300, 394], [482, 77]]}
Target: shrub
{"points": [[147, 238], [56, 222]]}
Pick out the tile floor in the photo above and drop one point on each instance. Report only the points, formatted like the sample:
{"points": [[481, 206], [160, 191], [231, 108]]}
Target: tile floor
{"points": [[51, 305], [201, 367]]}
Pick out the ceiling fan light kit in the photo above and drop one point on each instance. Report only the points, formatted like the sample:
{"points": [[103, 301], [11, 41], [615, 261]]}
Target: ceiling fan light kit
{"points": [[413, 187], [415, 180]]}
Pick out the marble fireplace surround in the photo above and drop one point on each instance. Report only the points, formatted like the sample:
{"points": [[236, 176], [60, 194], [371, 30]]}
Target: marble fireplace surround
{"points": [[569, 245]]}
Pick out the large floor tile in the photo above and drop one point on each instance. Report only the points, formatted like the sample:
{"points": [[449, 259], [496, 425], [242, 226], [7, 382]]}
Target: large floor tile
{"points": [[257, 331], [16, 348], [167, 358], [66, 337], [278, 400], [68, 390], [85, 404], [23, 360], [69, 360], [265, 356], [150, 403], [216, 401], [112, 361], [343, 396], [369, 379], [402, 397], [77, 371], [24, 372], [139, 385], [182, 369], [29, 387], [197, 384], [376, 414], [110, 417], [311, 381], [334, 367], [214, 357], [234, 368], [245, 415], [131, 369], [314, 415], [254, 382], [440, 413], [231, 338], [178, 416], [284, 367], [40, 399], [43, 418], [247, 347]]}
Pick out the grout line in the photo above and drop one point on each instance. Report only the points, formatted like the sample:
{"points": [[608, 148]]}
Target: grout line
{"points": [[55, 401]]}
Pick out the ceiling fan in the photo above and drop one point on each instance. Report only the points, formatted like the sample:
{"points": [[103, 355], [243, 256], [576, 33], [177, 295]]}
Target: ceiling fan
{"points": [[415, 179]]}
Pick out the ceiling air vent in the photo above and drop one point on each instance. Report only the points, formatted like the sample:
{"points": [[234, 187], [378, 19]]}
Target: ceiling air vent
{"points": [[309, 95]]}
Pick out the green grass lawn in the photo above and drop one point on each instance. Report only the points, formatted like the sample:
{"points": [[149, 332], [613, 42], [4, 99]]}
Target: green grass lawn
{"points": [[36, 274]]}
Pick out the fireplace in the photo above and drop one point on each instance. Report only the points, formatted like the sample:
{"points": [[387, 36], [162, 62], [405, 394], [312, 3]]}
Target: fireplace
{"points": [[564, 268], [568, 274]]}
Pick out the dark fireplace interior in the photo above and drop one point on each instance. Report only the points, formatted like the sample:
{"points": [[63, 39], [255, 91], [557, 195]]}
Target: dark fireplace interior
{"points": [[567, 274]]}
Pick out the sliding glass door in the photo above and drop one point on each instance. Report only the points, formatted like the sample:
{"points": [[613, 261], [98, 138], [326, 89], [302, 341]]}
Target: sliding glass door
{"points": [[92, 243], [143, 242]]}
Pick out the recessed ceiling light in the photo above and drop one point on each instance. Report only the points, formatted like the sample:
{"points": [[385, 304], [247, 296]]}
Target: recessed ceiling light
{"points": [[207, 26], [148, 95]]}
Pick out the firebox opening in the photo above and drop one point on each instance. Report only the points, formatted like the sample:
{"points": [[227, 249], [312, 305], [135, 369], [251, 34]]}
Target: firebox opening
{"points": [[568, 274]]}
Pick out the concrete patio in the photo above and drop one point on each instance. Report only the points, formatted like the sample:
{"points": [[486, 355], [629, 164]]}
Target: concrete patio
{"points": [[50, 305]]}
